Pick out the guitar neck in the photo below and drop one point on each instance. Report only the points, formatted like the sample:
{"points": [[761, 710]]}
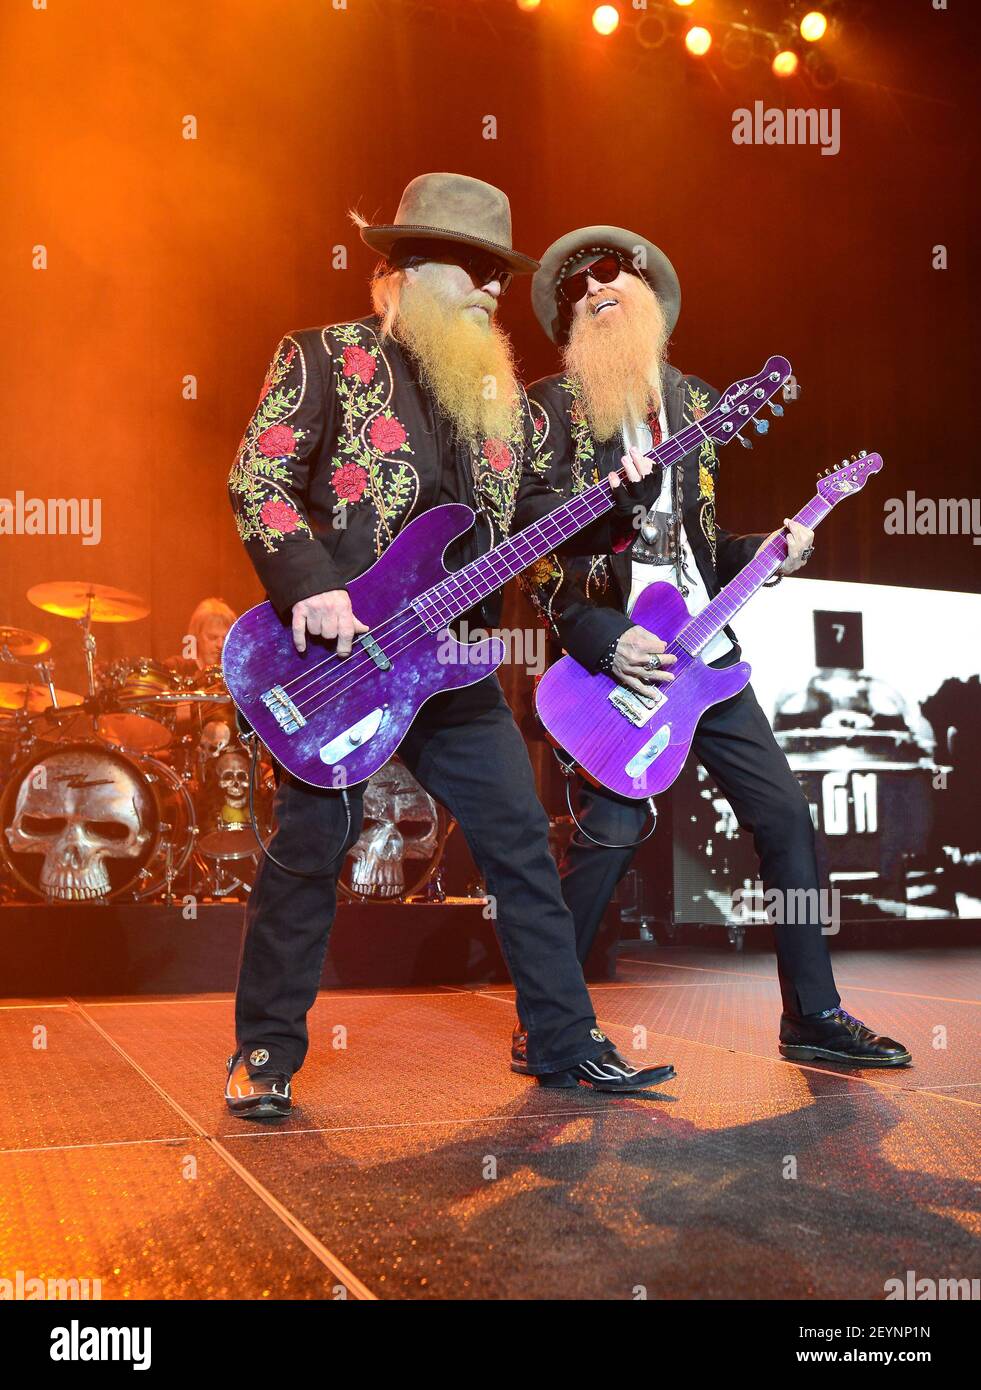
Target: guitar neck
{"points": [[727, 603], [461, 590]]}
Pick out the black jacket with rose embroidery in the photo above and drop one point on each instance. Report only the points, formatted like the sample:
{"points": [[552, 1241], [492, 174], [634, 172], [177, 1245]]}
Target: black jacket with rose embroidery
{"points": [[583, 600], [346, 445]]}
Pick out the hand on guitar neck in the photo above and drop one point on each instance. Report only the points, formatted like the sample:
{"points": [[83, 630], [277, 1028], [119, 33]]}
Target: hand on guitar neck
{"points": [[800, 544]]}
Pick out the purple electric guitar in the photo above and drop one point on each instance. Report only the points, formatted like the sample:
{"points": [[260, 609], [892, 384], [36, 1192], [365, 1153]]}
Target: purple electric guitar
{"points": [[634, 744], [333, 721]]}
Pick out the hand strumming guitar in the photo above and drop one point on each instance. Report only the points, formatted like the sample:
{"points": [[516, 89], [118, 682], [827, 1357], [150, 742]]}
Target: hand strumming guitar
{"points": [[632, 661], [326, 615]]}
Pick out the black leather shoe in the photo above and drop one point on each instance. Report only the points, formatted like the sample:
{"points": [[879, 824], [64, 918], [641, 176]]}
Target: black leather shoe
{"points": [[519, 1049], [255, 1094], [835, 1036], [608, 1072]]}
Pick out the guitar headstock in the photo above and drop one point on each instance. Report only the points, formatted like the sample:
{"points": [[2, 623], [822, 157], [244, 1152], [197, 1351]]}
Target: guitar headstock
{"points": [[849, 476], [743, 400]]}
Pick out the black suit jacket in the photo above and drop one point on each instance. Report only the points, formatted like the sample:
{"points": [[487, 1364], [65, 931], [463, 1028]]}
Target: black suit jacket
{"points": [[583, 599], [346, 445]]}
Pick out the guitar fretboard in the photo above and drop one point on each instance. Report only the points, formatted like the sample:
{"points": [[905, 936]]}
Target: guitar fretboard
{"points": [[461, 590], [727, 603]]}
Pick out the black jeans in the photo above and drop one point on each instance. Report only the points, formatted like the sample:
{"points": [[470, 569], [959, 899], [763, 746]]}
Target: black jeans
{"points": [[735, 743], [465, 749]]}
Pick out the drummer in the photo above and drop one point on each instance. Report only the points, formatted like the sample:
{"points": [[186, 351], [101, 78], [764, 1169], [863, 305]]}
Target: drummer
{"points": [[206, 632]]}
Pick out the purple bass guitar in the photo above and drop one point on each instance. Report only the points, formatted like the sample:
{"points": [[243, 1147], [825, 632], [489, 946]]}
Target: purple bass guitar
{"points": [[333, 721], [634, 744]]}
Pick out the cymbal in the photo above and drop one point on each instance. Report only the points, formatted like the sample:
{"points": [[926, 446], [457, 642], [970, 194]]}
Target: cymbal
{"points": [[70, 598], [20, 641], [32, 698]]}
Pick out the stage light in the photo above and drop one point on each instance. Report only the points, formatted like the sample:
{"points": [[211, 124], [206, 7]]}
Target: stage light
{"points": [[652, 31], [813, 26], [785, 63], [698, 40], [528, 5], [737, 47], [683, 3], [605, 19]]}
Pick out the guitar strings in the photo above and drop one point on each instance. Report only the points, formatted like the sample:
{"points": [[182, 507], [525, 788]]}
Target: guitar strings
{"points": [[601, 491], [386, 633]]}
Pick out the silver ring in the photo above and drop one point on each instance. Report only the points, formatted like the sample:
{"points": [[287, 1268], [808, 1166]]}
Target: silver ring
{"points": [[805, 555], [654, 662]]}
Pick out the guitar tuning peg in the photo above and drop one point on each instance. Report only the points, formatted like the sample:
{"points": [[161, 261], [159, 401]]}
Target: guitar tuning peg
{"points": [[862, 453], [746, 443], [776, 409], [854, 458], [761, 426]]}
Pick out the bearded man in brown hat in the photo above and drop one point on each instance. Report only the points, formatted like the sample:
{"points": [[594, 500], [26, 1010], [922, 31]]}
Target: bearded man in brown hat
{"points": [[610, 299], [361, 426]]}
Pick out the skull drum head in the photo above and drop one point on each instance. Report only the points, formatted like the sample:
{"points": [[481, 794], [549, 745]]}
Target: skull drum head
{"points": [[78, 823], [401, 841]]}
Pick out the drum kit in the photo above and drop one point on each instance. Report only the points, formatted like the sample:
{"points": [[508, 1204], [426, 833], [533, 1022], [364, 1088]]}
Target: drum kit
{"points": [[137, 790]]}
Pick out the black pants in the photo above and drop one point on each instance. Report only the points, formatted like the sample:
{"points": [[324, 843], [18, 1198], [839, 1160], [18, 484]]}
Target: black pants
{"points": [[465, 749], [735, 743]]}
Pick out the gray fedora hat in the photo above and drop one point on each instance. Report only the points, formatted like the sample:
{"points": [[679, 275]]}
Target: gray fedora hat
{"points": [[454, 208], [576, 247]]}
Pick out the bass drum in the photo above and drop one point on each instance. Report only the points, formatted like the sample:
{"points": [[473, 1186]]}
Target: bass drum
{"points": [[399, 852], [80, 822]]}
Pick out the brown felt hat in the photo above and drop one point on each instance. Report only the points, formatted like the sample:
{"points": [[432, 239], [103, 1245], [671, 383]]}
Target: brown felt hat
{"points": [[454, 208], [564, 256]]}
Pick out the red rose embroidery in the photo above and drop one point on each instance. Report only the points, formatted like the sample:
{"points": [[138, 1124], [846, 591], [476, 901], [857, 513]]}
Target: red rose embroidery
{"points": [[698, 412], [539, 423], [359, 363], [497, 454], [387, 434], [280, 516], [350, 481], [288, 359], [277, 441]]}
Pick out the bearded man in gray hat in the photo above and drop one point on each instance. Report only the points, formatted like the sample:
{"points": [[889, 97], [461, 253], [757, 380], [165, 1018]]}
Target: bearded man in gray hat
{"points": [[610, 299], [359, 427]]}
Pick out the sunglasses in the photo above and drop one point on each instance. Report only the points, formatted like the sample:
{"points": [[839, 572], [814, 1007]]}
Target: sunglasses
{"points": [[481, 266], [604, 269]]}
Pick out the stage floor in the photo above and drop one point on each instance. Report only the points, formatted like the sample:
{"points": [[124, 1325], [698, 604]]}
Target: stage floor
{"points": [[415, 1165]]}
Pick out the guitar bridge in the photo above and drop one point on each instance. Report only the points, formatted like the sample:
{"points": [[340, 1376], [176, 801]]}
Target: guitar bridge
{"points": [[637, 708], [287, 716]]}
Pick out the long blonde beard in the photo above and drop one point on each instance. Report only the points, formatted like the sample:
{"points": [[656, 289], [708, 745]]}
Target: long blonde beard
{"points": [[617, 361], [468, 365]]}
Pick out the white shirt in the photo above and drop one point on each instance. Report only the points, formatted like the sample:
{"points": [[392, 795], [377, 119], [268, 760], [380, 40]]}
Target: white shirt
{"points": [[644, 574]]}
